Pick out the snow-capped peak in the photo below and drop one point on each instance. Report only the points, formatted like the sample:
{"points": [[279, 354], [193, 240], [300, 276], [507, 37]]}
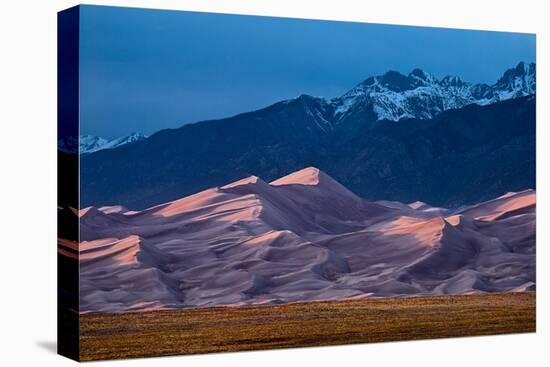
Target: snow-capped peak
{"points": [[452, 81], [133, 137], [421, 77], [518, 81], [91, 143], [394, 96]]}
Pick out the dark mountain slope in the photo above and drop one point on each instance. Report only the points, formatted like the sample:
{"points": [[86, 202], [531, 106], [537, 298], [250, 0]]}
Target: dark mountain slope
{"points": [[273, 141], [460, 156]]}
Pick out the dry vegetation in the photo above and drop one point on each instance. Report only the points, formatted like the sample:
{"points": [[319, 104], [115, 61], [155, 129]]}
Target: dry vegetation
{"points": [[220, 329]]}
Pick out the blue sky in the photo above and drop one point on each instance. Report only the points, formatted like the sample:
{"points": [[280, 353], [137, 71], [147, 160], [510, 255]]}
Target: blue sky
{"points": [[145, 70]]}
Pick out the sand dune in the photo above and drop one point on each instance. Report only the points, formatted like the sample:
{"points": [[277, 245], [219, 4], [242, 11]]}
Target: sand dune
{"points": [[302, 237], [506, 205]]}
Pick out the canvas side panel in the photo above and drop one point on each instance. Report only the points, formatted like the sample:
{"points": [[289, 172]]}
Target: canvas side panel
{"points": [[67, 186]]}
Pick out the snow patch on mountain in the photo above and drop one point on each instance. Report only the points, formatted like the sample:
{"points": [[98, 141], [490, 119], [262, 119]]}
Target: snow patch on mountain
{"points": [[394, 96], [91, 143]]}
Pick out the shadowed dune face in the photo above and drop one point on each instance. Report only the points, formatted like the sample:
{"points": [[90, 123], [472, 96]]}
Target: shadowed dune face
{"points": [[303, 237]]}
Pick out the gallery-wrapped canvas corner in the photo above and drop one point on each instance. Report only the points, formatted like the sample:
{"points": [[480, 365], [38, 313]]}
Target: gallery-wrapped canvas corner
{"points": [[232, 183]]}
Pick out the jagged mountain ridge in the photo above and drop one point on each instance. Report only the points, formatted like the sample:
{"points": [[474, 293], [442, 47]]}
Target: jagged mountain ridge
{"points": [[394, 96], [391, 96]]}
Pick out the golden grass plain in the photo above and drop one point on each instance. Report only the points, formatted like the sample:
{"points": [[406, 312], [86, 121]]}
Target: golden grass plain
{"points": [[230, 329]]}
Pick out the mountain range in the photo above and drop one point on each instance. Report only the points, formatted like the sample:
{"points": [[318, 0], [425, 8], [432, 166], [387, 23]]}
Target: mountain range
{"points": [[87, 144], [392, 137], [302, 237], [394, 96]]}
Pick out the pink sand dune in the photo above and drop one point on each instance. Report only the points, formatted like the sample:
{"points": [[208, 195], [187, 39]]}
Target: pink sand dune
{"points": [[303, 237], [510, 202]]}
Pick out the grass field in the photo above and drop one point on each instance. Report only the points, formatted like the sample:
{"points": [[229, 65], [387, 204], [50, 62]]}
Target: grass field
{"points": [[220, 329]]}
